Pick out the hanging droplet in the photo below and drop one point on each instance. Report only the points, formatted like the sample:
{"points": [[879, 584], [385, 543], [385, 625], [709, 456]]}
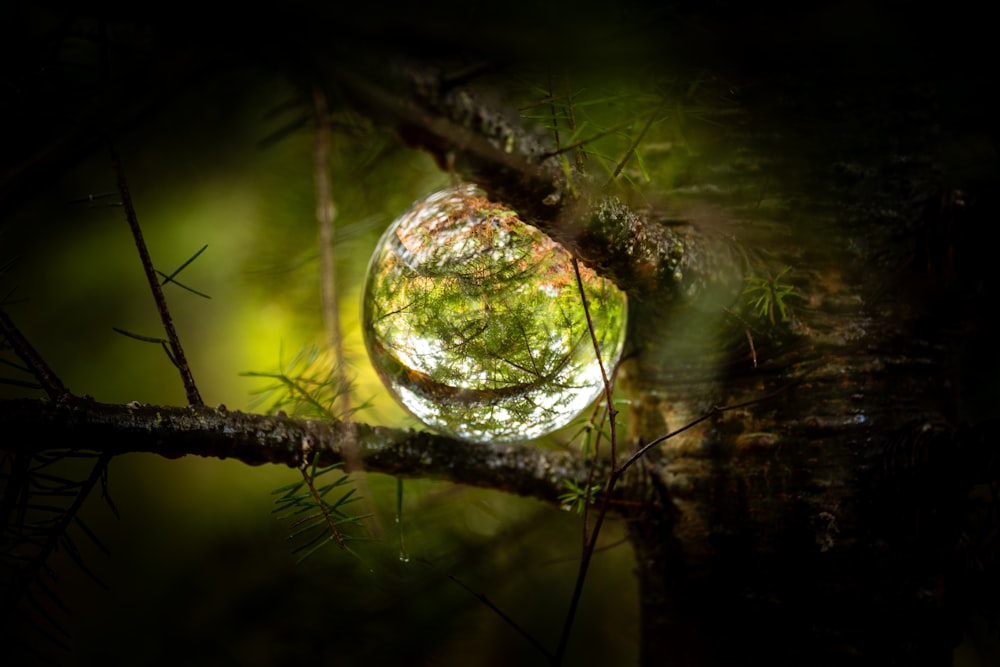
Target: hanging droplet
{"points": [[474, 321]]}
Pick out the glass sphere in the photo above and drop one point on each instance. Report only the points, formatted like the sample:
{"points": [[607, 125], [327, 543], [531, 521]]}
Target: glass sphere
{"points": [[474, 321]]}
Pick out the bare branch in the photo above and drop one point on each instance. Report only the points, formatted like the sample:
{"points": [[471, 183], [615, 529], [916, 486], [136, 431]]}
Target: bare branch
{"points": [[326, 213], [644, 257], [50, 382], [176, 351], [254, 439], [590, 544]]}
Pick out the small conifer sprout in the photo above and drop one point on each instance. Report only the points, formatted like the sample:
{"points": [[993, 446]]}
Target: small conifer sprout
{"points": [[475, 323]]}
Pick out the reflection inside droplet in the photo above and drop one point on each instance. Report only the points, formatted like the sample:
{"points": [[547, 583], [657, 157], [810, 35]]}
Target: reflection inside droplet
{"points": [[474, 321]]}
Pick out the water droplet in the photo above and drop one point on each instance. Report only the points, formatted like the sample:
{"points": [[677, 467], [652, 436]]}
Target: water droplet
{"points": [[474, 321]]}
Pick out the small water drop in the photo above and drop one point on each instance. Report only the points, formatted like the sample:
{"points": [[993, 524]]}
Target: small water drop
{"points": [[474, 322]]}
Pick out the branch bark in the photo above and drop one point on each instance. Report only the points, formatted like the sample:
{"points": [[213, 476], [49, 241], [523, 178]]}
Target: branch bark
{"points": [[647, 259], [173, 432]]}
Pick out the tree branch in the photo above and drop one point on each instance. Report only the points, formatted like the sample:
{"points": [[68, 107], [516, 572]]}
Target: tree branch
{"points": [[176, 350], [254, 439], [49, 381], [641, 255]]}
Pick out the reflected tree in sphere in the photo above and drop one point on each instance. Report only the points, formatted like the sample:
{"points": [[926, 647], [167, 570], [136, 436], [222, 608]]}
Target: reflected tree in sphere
{"points": [[474, 321]]}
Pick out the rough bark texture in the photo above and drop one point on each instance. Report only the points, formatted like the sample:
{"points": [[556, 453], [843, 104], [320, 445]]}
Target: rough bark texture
{"points": [[487, 147], [822, 526], [254, 439]]}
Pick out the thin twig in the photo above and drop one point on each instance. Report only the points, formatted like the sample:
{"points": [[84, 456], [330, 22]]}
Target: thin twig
{"points": [[715, 410], [747, 330], [331, 523], [326, 212], [177, 352], [634, 146], [584, 142], [753, 349], [31, 571], [597, 353], [50, 382], [590, 476], [506, 619], [614, 476], [552, 110], [591, 544]]}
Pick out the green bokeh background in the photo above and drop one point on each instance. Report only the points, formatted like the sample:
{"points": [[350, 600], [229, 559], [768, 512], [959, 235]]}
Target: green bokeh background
{"points": [[200, 571]]}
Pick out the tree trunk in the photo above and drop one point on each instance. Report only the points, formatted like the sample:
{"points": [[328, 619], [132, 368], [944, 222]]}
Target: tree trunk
{"points": [[819, 524]]}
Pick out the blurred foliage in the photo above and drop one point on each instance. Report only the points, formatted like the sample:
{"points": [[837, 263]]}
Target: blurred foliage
{"points": [[198, 569], [308, 386]]}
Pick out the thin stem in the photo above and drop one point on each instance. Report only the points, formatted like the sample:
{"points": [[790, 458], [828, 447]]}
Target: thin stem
{"points": [[753, 350], [613, 477], [584, 142], [634, 146], [600, 362], [318, 499], [31, 572], [571, 121], [305, 394], [552, 110], [505, 618], [50, 382], [590, 475], [591, 544], [715, 410], [326, 213], [177, 352]]}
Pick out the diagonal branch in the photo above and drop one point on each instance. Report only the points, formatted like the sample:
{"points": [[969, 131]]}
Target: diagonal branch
{"points": [[326, 213], [177, 352], [50, 382], [641, 255]]}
